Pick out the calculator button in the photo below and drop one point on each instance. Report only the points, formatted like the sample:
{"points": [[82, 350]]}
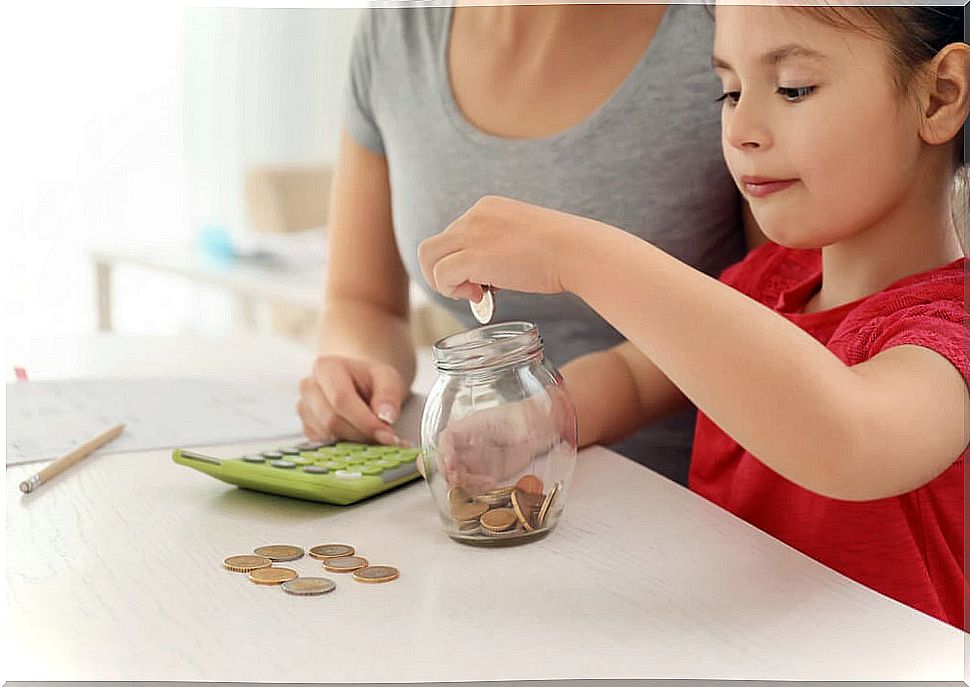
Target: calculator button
{"points": [[399, 472], [279, 463], [350, 446], [355, 459], [299, 460], [333, 464], [371, 470], [271, 454], [387, 463], [347, 474], [254, 458], [316, 469], [311, 445], [289, 451]]}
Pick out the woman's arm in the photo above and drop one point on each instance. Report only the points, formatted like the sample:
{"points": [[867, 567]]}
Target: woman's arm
{"points": [[366, 296], [618, 391]]}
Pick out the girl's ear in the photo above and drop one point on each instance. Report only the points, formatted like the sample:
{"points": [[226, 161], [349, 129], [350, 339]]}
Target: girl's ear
{"points": [[946, 94]]}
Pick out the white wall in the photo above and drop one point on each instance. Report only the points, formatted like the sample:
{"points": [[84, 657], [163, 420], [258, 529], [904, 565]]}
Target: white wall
{"points": [[135, 125]]}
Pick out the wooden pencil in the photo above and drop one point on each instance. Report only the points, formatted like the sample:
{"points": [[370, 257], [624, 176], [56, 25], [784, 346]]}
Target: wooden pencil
{"points": [[66, 461]]}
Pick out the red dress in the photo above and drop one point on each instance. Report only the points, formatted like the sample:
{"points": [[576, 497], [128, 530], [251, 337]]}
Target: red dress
{"points": [[908, 547]]}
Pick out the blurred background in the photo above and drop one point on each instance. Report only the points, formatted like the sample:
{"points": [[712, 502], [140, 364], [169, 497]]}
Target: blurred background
{"points": [[170, 167]]}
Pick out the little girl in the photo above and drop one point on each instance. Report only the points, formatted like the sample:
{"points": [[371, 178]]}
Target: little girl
{"points": [[829, 366]]}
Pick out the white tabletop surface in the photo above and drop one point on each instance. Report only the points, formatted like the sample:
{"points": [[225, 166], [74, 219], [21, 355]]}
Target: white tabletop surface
{"points": [[113, 572]]}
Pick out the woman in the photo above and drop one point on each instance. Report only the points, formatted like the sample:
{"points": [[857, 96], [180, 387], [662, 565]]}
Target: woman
{"points": [[602, 111]]}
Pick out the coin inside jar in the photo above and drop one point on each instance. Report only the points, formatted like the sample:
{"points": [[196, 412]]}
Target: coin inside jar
{"points": [[280, 552], [530, 484], [309, 586], [524, 504], [377, 573], [272, 575], [458, 495], [485, 308], [246, 563], [468, 511], [499, 519], [547, 504], [345, 563], [324, 551]]}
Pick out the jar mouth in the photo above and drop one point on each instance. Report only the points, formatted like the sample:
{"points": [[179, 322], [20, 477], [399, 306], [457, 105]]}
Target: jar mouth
{"points": [[489, 347]]}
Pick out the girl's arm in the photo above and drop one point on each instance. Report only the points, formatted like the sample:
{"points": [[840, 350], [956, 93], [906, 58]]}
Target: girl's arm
{"points": [[877, 429]]}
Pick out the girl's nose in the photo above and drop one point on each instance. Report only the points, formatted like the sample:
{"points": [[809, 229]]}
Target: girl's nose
{"points": [[744, 126]]}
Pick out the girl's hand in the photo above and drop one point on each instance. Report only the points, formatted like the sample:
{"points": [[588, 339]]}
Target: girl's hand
{"points": [[507, 244]]}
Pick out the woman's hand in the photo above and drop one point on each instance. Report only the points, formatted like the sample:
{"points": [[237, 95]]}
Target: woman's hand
{"points": [[496, 446], [354, 400], [506, 243]]}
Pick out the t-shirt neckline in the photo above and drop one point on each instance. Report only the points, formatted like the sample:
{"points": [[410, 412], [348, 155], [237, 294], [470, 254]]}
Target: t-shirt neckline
{"points": [[602, 112], [792, 301]]}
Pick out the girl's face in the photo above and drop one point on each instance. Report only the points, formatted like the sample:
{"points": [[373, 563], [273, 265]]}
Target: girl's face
{"points": [[814, 129]]}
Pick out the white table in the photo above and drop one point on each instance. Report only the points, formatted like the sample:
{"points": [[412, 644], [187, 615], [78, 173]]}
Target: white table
{"points": [[248, 283], [114, 573]]}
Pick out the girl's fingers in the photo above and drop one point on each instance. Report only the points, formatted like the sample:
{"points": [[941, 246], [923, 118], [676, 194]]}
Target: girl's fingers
{"points": [[342, 395]]}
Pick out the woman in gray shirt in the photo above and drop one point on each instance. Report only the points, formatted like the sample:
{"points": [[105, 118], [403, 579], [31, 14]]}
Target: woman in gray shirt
{"points": [[602, 111]]}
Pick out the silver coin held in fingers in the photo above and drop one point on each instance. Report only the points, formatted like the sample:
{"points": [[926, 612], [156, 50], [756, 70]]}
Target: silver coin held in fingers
{"points": [[485, 308]]}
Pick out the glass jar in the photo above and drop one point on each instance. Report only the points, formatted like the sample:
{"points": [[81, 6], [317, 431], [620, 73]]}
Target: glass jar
{"points": [[498, 436]]}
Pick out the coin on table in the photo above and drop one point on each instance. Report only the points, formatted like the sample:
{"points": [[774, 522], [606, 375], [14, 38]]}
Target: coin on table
{"points": [[468, 511], [458, 495], [377, 573], [547, 503], [325, 551], [530, 484], [309, 586], [280, 552], [499, 519], [272, 575], [485, 308], [246, 563], [524, 503], [345, 563]]}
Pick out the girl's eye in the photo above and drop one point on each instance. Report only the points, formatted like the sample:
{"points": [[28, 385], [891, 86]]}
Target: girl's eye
{"points": [[795, 94], [733, 96]]}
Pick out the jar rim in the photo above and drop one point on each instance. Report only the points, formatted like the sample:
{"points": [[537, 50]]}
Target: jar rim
{"points": [[487, 347]]}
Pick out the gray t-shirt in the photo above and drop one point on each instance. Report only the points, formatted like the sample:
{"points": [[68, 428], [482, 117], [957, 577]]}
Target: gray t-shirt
{"points": [[648, 160]]}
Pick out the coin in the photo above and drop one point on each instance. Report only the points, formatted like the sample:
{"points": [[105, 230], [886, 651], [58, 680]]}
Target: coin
{"points": [[246, 563], [468, 511], [324, 551], [345, 563], [271, 575], [530, 484], [524, 503], [501, 491], [547, 503], [494, 500], [377, 573], [485, 308], [458, 495], [499, 520], [309, 586], [280, 552]]}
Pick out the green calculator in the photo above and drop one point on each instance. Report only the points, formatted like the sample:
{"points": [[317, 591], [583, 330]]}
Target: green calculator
{"points": [[340, 473]]}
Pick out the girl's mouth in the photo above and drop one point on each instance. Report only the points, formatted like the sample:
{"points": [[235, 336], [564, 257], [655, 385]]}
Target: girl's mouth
{"points": [[760, 187]]}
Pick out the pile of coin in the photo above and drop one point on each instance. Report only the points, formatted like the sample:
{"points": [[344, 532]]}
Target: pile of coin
{"points": [[508, 511], [335, 558]]}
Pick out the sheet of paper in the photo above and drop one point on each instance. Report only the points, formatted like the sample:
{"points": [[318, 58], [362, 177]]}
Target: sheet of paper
{"points": [[46, 419]]}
